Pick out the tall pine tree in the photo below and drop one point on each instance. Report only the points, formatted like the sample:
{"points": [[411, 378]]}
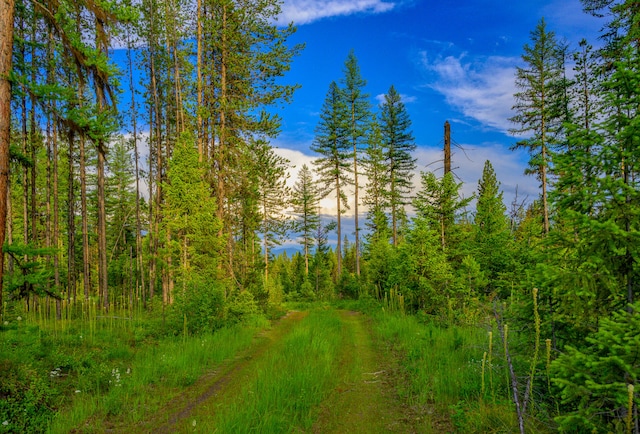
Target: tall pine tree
{"points": [[398, 144], [358, 106], [334, 164]]}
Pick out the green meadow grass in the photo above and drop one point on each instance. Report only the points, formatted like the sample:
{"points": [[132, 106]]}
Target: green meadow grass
{"points": [[58, 376], [286, 384], [442, 366]]}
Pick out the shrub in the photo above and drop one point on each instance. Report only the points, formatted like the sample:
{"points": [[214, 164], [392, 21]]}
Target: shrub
{"points": [[200, 308], [594, 380]]}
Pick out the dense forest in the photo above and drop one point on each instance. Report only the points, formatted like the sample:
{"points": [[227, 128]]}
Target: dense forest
{"points": [[177, 204]]}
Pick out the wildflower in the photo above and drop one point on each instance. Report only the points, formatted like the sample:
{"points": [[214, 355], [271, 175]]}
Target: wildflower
{"points": [[193, 423], [6, 323], [78, 390], [115, 373], [19, 318], [5, 423]]}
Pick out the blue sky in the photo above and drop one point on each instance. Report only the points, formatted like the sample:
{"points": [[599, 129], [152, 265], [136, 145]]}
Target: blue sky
{"points": [[451, 60]]}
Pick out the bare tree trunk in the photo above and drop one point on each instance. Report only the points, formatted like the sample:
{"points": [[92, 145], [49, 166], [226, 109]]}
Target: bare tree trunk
{"points": [[339, 245], [56, 216], [355, 179], [199, 129], [49, 192], [86, 270], [153, 266], [6, 51], [71, 221], [101, 148], [134, 123], [102, 230]]}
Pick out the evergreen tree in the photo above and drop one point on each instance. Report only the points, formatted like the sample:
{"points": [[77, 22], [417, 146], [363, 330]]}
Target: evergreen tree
{"points": [[421, 271], [597, 195], [491, 235], [190, 217], [333, 165], [358, 106], [439, 203], [398, 144], [273, 198], [321, 265], [249, 54], [120, 206], [539, 105], [376, 189], [305, 200]]}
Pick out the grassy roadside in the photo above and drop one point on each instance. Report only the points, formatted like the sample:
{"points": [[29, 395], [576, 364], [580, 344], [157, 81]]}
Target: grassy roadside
{"points": [[441, 368], [61, 376]]}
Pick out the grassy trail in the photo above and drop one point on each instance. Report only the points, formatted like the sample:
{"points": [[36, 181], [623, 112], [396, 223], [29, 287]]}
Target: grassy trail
{"points": [[365, 399], [312, 372], [217, 385]]}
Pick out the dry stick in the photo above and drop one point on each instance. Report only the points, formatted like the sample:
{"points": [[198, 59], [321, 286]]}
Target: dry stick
{"points": [[534, 361], [512, 375]]}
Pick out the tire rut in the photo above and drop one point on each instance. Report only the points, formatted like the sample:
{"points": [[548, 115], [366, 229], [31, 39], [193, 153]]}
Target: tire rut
{"points": [[215, 384]]}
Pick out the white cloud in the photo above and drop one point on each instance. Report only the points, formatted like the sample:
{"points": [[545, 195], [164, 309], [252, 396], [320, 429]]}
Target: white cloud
{"points": [[406, 99], [481, 89], [467, 161], [307, 11]]}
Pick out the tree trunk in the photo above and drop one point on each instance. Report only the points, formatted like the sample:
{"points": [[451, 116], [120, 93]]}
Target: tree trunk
{"points": [[102, 230], [86, 270], [139, 280], [6, 48], [56, 216], [103, 288], [355, 179], [199, 130], [71, 221], [339, 228]]}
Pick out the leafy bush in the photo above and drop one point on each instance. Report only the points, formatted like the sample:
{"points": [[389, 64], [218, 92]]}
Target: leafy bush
{"points": [[242, 306], [26, 398], [200, 308]]}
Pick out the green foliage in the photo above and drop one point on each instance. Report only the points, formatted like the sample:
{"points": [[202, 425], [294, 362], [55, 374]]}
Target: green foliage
{"points": [[242, 307], [190, 217], [28, 398], [33, 274], [421, 271], [199, 307], [441, 206], [398, 144], [593, 380], [492, 241], [305, 198]]}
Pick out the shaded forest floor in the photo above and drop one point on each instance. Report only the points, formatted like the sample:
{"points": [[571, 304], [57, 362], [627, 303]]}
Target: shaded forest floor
{"points": [[362, 398]]}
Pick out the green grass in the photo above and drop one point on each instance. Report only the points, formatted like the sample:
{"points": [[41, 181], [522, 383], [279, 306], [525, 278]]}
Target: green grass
{"points": [[442, 366], [80, 373], [286, 385]]}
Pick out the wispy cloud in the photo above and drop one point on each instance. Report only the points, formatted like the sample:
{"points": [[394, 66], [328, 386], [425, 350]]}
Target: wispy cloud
{"points": [[406, 99], [481, 89], [307, 11]]}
